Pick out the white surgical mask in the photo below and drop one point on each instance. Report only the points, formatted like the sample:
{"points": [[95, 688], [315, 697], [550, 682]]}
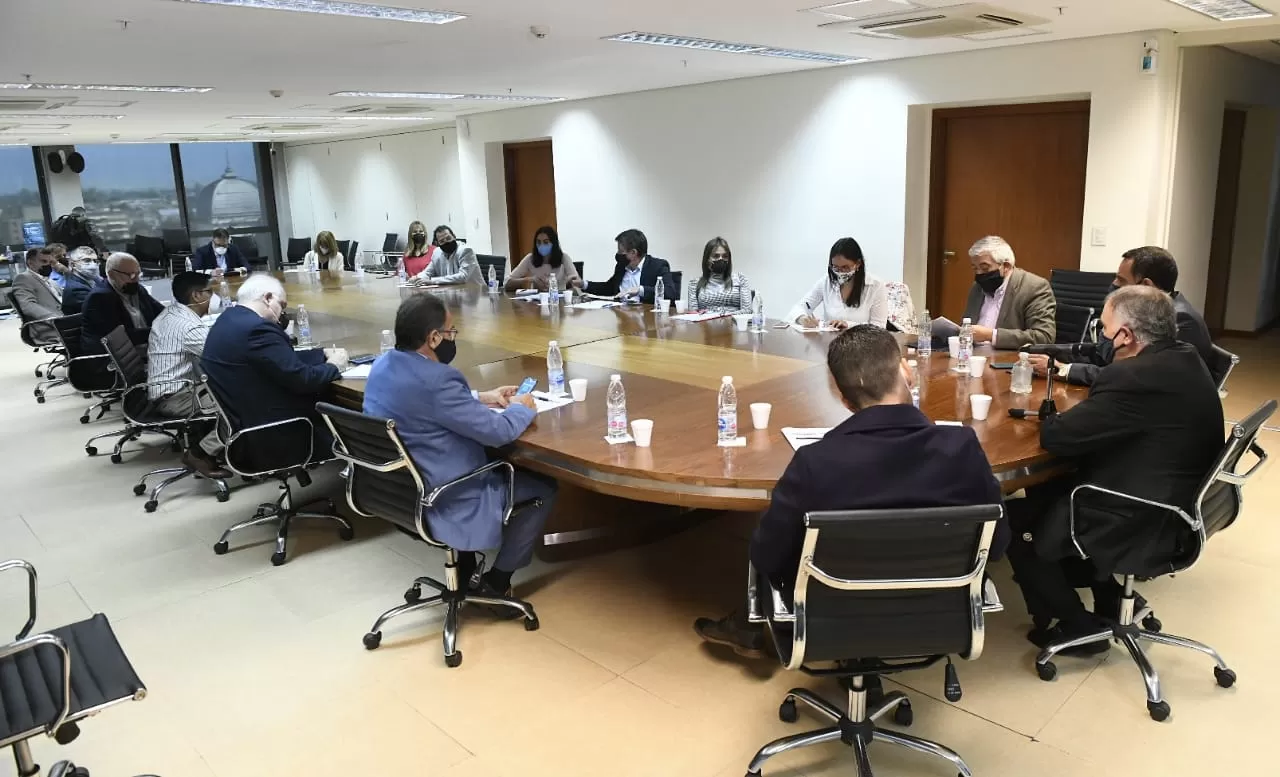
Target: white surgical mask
{"points": [[322, 250], [215, 304], [88, 270], [220, 250]]}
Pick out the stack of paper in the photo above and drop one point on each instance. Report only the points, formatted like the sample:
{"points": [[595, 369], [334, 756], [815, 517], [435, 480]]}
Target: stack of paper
{"points": [[595, 304], [707, 315], [822, 327], [801, 436], [358, 372]]}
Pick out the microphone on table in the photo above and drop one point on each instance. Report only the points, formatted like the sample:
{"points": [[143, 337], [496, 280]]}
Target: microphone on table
{"points": [[1053, 351], [1063, 351]]}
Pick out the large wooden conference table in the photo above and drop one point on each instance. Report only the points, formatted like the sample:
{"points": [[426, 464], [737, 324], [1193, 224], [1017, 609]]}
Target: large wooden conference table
{"points": [[672, 371]]}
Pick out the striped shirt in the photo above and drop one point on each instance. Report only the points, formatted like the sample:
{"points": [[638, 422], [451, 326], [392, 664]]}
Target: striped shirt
{"points": [[717, 296], [174, 348]]}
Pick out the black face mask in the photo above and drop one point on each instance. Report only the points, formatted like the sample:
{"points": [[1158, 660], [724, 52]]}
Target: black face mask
{"points": [[46, 271], [620, 258], [1106, 348], [445, 351], [720, 267], [130, 288], [283, 321], [1114, 286], [449, 248], [419, 238], [989, 282]]}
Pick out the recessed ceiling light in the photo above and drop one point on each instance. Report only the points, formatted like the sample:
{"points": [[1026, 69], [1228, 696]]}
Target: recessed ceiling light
{"points": [[247, 135], [810, 56], [1225, 10], [658, 39], [109, 88], [515, 98], [60, 116], [335, 117], [335, 8]]}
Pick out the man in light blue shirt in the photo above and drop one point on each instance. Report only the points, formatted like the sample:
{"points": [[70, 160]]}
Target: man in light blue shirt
{"points": [[455, 263], [635, 273], [447, 428]]}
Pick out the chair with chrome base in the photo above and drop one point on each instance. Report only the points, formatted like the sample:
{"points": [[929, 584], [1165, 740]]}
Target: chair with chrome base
{"points": [[878, 592], [140, 417], [91, 375], [1227, 362], [41, 336], [51, 681], [383, 482], [137, 406], [290, 445], [1216, 507]]}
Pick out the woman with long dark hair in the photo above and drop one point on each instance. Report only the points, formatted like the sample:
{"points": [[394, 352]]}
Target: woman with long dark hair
{"points": [[719, 288], [847, 296], [546, 258]]}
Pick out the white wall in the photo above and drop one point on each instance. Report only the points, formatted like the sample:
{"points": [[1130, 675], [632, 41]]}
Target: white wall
{"points": [[362, 189], [783, 165]]}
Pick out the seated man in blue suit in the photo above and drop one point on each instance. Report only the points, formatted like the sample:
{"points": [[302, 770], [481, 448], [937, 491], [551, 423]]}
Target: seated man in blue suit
{"points": [[119, 299], [259, 378], [635, 272], [447, 427], [886, 455], [219, 255], [83, 273]]}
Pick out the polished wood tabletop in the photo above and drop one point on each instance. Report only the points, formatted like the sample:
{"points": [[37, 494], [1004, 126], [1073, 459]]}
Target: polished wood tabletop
{"points": [[671, 371]]}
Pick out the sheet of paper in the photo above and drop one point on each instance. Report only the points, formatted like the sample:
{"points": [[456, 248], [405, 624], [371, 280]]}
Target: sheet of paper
{"points": [[595, 304], [801, 436], [701, 316], [360, 371], [597, 296], [944, 327], [736, 442], [620, 440], [822, 327], [544, 401], [948, 423]]}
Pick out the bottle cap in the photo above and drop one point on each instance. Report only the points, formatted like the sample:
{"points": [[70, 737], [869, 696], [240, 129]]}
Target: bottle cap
{"points": [[967, 321], [386, 331], [615, 377], [727, 379], [912, 363], [551, 344]]}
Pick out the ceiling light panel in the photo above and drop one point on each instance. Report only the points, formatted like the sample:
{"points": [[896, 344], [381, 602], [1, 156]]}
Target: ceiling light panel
{"points": [[60, 116], [1225, 10], [336, 8], [515, 98], [658, 39], [810, 56], [363, 117], [109, 88]]}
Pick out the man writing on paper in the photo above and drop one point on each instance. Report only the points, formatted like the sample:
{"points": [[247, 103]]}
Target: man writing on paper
{"points": [[876, 459]]}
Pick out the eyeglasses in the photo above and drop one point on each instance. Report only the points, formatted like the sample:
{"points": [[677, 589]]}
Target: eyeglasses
{"points": [[450, 334], [133, 276]]}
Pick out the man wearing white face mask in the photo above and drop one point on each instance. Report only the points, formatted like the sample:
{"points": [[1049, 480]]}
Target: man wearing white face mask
{"points": [[83, 273], [219, 255]]}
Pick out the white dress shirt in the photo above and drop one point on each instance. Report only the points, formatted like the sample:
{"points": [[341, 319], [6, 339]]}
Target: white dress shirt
{"points": [[631, 278], [825, 302]]}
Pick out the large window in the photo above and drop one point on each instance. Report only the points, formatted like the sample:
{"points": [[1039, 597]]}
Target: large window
{"points": [[129, 190], [223, 187], [19, 194]]}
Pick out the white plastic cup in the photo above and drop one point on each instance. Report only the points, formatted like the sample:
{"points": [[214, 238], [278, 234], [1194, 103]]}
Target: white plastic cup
{"points": [[953, 345], [980, 404], [578, 387], [760, 414], [642, 431], [977, 366], [682, 306], [742, 321]]}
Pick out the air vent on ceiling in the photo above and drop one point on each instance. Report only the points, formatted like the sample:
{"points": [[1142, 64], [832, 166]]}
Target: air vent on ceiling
{"points": [[949, 22], [382, 110], [286, 127], [861, 9], [28, 105]]}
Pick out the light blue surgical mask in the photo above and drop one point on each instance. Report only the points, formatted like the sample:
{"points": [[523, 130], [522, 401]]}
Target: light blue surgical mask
{"points": [[544, 249]]}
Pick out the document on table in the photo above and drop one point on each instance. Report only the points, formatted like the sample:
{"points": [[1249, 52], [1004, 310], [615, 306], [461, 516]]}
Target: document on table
{"points": [[822, 327], [701, 315], [545, 401], [802, 436], [944, 327], [358, 372], [595, 304]]}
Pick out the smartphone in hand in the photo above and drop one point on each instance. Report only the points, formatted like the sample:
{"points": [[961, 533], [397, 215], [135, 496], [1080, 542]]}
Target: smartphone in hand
{"points": [[526, 386]]}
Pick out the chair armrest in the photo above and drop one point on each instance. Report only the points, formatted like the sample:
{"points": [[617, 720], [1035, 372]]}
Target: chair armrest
{"points": [[1178, 511], [991, 597], [1238, 480], [274, 425], [186, 386], [431, 498], [31, 643], [778, 611], [18, 563]]}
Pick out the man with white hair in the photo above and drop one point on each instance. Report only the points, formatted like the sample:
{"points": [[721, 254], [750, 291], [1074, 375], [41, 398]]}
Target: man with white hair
{"points": [[83, 272], [1151, 428], [259, 378], [119, 299], [1009, 307]]}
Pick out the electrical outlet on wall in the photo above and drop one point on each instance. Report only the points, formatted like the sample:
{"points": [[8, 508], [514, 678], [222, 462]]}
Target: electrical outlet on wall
{"points": [[1099, 237]]}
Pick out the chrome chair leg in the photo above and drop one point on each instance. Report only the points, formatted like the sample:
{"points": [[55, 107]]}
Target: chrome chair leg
{"points": [[405, 609], [92, 450], [1150, 678], [1183, 642], [1048, 653], [891, 702], [816, 702], [510, 602], [924, 746], [779, 746], [452, 656]]}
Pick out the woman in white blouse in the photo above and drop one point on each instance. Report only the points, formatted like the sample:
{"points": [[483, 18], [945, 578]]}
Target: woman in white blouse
{"points": [[535, 269], [324, 254], [847, 296], [719, 288]]}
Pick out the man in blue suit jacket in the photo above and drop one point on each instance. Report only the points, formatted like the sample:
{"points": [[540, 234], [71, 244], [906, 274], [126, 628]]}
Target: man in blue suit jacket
{"points": [[447, 427], [635, 273], [259, 378], [219, 254], [887, 455], [119, 299]]}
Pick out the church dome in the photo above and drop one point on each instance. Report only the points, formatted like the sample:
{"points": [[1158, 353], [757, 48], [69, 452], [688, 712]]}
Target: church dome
{"points": [[229, 201]]}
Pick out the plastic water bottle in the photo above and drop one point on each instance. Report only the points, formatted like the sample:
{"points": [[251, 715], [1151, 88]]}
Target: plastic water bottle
{"points": [[224, 291], [302, 325], [966, 345], [727, 413], [659, 298], [402, 273], [617, 408], [388, 341], [187, 264], [914, 366], [555, 369], [924, 338], [757, 313], [493, 279], [553, 289], [1021, 380]]}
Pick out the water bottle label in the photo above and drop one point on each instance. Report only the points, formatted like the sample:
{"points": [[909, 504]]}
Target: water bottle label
{"points": [[617, 425], [727, 425]]}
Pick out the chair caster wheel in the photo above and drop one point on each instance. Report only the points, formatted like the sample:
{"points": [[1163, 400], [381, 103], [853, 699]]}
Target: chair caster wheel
{"points": [[372, 640], [139, 489], [532, 624], [1047, 671], [90, 450], [116, 458], [277, 558], [454, 660], [1159, 711], [346, 533], [84, 419], [903, 715], [39, 400], [39, 374], [753, 774], [150, 506], [222, 496], [413, 595], [1152, 623], [87, 396], [787, 711], [220, 547], [1225, 677]]}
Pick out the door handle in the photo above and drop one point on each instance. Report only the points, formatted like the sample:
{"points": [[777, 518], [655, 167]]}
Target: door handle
{"points": [[946, 254]]}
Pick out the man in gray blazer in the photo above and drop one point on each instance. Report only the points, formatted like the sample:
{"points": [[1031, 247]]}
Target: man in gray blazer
{"points": [[1009, 307], [456, 263], [38, 297]]}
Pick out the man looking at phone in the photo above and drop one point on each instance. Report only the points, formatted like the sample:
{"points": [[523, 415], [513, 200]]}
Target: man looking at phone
{"points": [[447, 428]]}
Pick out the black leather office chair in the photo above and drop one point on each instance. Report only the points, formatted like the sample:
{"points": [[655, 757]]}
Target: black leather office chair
{"points": [[878, 592], [140, 417], [91, 375], [176, 241], [152, 257], [578, 266], [389, 242], [1216, 507], [297, 250], [344, 248], [349, 258], [1082, 289], [383, 482], [677, 280], [41, 335], [1226, 362], [1073, 322], [248, 246], [51, 681], [499, 262], [289, 455]]}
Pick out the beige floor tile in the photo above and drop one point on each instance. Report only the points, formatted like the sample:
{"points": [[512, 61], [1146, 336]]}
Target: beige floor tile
{"points": [[56, 605]]}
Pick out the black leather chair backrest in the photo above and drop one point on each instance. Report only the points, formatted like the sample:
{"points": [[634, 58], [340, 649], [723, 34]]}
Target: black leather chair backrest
{"points": [[248, 246], [1224, 362], [1082, 289], [487, 260], [68, 329], [297, 249], [677, 280], [578, 266], [389, 242], [383, 481], [176, 241], [126, 357], [149, 250], [1073, 322], [863, 615], [1219, 502], [349, 257], [280, 447], [344, 247]]}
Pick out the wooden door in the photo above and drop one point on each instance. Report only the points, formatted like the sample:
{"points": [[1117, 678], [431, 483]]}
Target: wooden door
{"points": [[531, 193], [1224, 219], [1011, 170]]}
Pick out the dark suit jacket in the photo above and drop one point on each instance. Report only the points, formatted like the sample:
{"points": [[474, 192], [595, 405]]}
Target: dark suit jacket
{"points": [[887, 456], [74, 294], [258, 378], [104, 311], [1151, 427], [1191, 329], [203, 259], [652, 269], [1028, 314]]}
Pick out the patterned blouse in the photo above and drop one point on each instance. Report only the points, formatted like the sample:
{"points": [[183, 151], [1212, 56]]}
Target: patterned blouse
{"points": [[716, 296]]}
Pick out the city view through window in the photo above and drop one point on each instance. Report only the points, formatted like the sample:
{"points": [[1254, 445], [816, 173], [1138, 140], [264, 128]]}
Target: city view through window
{"points": [[19, 195]]}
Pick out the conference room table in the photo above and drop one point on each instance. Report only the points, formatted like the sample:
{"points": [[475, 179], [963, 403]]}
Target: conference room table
{"points": [[672, 372]]}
